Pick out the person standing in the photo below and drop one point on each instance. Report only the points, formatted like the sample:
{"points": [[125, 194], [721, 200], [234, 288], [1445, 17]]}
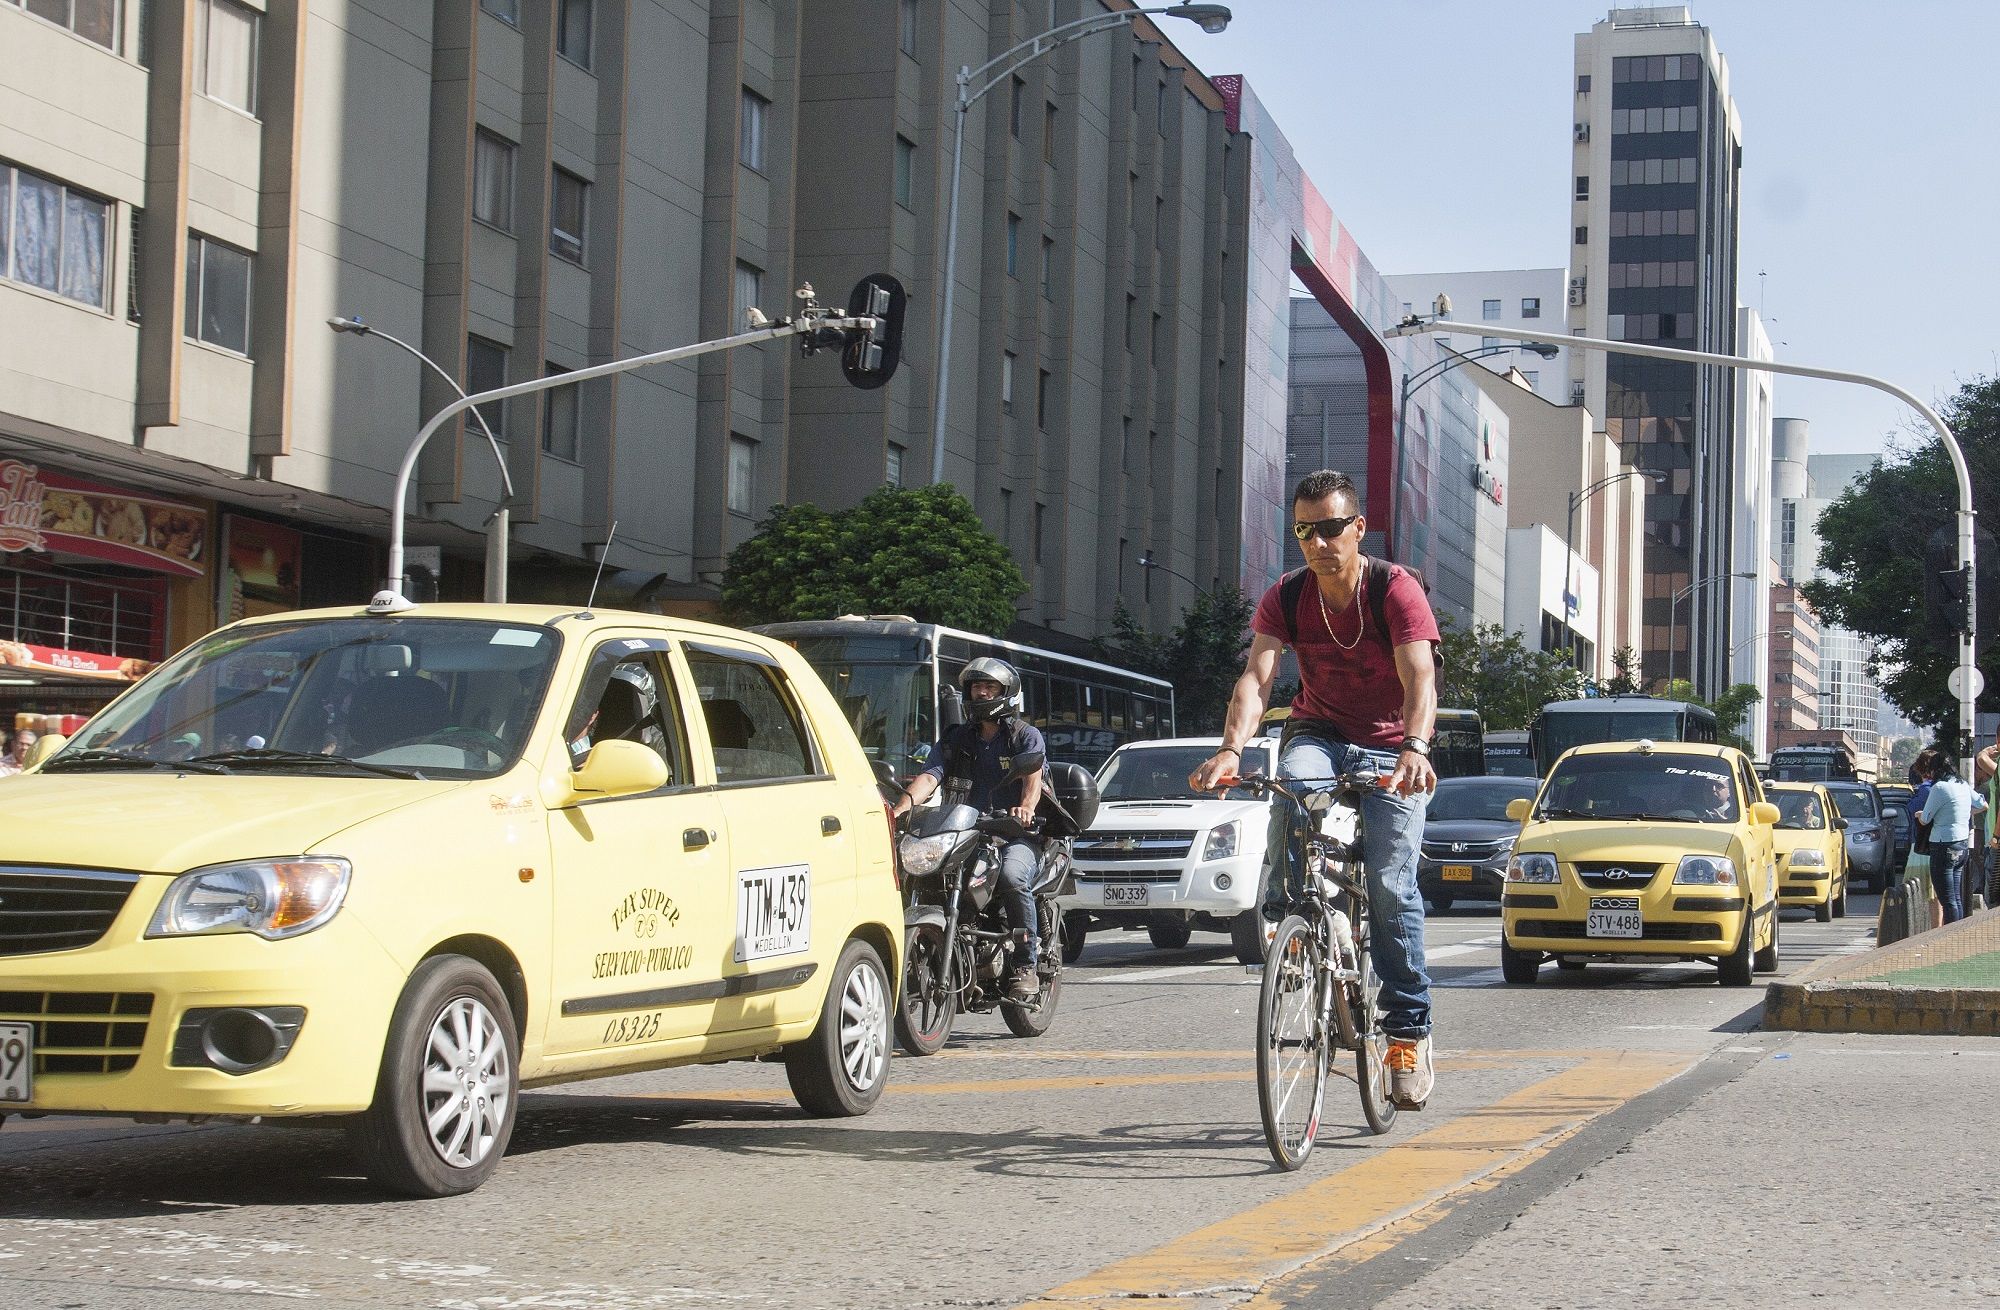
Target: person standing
{"points": [[1366, 642], [1949, 811]]}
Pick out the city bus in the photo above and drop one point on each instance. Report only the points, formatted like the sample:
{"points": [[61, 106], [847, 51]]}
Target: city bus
{"points": [[894, 678], [1566, 723], [1812, 763], [1507, 754]]}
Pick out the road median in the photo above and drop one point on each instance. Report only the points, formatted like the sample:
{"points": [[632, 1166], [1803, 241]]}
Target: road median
{"points": [[1943, 982]]}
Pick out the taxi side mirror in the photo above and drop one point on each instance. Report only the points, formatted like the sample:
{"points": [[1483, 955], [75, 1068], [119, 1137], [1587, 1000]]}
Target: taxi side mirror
{"points": [[41, 750], [1517, 809], [617, 768], [1840, 822], [1765, 813]]}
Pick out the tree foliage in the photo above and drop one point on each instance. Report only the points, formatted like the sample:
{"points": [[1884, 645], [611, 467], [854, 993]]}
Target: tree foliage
{"points": [[1491, 670], [1731, 708], [1624, 679], [1873, 539], [920, 551], [1202, 656]]}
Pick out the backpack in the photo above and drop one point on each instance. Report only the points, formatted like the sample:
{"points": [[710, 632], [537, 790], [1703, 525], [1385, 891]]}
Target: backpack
{"points": [[1380, 572]]}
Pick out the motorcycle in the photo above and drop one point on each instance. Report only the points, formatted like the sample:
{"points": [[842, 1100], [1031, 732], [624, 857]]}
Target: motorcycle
{"points": [[958, 948]]}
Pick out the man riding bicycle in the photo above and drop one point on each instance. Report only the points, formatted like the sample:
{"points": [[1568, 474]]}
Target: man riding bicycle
{"points": [[1366, 642]]}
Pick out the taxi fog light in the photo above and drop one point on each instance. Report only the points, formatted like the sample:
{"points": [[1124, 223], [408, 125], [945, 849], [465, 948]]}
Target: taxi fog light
{"points": [[1532, 868], [1706, 871], [921, 856], [1221, 842], [274, 899], [1803, 859]]}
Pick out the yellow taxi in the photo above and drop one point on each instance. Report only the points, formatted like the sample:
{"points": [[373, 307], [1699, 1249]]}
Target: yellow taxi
{"points": [[396, 865], [1812, 857], [1644, 851]]}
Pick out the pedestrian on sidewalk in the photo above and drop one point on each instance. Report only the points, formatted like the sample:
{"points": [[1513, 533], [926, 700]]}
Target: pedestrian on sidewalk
{"points": [[1949, 810]]}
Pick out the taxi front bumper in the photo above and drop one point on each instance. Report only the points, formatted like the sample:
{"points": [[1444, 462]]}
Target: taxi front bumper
{"points": [[1677, 921]]}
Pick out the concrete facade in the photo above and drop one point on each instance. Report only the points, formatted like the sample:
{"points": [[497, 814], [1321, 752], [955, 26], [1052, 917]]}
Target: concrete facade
{"points": [[1530, 298], [1791, 706], [1749, 598]]}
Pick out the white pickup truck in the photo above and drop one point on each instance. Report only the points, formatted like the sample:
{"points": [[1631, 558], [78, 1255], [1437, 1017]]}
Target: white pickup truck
{"points": [[1170, 860]]}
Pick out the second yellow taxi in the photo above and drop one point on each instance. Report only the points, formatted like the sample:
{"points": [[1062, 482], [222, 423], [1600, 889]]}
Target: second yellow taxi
{"points": [[1812, 857]]}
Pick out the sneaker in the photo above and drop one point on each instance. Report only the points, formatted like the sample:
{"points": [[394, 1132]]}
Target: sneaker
{"points": [[1411, 1077], [1023, 985]]}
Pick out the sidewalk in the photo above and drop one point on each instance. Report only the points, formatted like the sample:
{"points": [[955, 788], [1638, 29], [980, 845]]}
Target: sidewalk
{"points": [[1944, 982]]}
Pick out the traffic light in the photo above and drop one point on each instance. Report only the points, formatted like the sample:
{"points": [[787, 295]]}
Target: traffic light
{"points": [[1944, 581], [868, 357]]}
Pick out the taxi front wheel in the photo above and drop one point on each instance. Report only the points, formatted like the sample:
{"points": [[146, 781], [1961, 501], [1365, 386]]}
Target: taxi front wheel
{"points": [[445, 1096], [839, 1071]]}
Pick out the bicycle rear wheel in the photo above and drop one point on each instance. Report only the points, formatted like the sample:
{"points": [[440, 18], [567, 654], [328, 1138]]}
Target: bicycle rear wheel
{"points": [[1292, 1042]]}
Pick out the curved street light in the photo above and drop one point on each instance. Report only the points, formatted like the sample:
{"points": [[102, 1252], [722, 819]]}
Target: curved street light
{"points": [[1146, 561], [1210, 18], [1569, 551], [1673, 623]]}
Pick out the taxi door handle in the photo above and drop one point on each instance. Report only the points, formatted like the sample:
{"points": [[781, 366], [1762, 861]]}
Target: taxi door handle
{"points": [[828, 826], [693, 839]]}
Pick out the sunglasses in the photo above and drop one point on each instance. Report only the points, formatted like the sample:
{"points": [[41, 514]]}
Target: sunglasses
{"points": [[1307, 529]]}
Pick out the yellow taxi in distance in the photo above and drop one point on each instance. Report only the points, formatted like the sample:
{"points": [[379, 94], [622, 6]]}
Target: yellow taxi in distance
{"points": [[1812, 856], [397, 865], [1644, 850]]}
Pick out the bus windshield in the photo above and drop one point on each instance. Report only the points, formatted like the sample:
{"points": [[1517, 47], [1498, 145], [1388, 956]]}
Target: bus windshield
{"points": [[888, 701], [1557, 733]]}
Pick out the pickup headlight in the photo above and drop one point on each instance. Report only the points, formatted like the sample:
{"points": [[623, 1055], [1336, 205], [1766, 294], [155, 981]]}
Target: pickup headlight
{"points": [[1808, 859], [1532, 868], [1221, 842], [1706, 871], [921, 856], [271, 898]]}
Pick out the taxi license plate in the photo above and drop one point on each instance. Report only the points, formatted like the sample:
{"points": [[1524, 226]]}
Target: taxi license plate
{"points": [[1127, 895], [17, 1063], [1614, 916], [1458, 873]]}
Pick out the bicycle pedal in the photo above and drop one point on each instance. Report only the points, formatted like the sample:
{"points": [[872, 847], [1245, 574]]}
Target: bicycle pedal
{"points": [[1413, 1106]]}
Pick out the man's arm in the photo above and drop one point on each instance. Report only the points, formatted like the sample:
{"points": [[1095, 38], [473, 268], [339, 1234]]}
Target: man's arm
{"points": [[1031, 795], [1246, 708], [1417, 667]]}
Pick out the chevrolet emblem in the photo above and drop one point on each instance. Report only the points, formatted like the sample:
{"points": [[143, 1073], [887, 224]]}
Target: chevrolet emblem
{"points": [[1125, 844]]}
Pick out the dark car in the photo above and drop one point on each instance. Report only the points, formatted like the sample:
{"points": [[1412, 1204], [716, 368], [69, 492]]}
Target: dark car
{"points": [[1896, 809], [1869, 836], [1468, 839]]}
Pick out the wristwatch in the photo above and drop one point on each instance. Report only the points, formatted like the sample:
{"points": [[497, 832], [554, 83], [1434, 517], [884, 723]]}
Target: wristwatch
{"points": [[1417, 744]]}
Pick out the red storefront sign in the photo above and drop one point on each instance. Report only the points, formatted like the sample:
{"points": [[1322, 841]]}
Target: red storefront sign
{"points": [[50, 512], [74, 663]]}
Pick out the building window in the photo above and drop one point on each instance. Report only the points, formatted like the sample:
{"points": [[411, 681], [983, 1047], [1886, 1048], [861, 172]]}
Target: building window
{"points": [[507, 11], [1159, 222], [1042, 399], [1040, 510], [1048, 134], [1488, 343], [562, 417], [485, 370], [906, 33], [569, 204], [1007, 382], [1582, 83], [742, 473], [493, 180], [1131, 317], [218, 294], [1048, 269], [1016, 88], [893, 475], [1533, 376], [52, 237], [1013, 245], [1159, 340], [1583, 236], [93, 20], [1531, 306], [1583, 188], [750, 132], [749, 290], [1489, 310], [225, 42], [573, 31], [906, 167], [134, 266]]}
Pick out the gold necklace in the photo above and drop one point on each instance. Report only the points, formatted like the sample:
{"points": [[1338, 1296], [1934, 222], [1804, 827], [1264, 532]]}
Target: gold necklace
{"points": [[1360, 593]]}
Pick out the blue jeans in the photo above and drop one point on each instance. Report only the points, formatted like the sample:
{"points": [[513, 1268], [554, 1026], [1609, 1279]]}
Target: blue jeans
{"points": [[1392, 829], [1019, 862], [1947, 874]]}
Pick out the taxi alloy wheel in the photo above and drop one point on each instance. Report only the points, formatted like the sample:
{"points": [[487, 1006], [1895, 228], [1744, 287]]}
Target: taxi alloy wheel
{"points": [[1734, 968], [1766, 960], [840, 1069], [446, 1095]]}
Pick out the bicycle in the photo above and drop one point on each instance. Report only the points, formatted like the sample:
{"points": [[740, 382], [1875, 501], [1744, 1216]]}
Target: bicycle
{"points": [[1319, 989]]}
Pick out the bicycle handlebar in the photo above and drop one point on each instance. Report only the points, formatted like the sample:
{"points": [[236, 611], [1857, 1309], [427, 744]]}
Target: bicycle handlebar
{"points": [[1354, 780]]}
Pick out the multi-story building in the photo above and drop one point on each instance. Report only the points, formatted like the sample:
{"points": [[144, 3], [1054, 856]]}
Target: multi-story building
{"points": [[1791, 709], [1657, 148], [1749, 596], [1530, 298]]}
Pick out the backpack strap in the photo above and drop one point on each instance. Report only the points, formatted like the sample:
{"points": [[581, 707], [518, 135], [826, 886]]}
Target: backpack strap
{"points": [[1380, 573], [1290, 588]]}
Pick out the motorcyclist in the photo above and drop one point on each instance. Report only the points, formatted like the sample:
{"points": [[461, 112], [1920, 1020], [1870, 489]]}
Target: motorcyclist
{"points": [[973, 762]]}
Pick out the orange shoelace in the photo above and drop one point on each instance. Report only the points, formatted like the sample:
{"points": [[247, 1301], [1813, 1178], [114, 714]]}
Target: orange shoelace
{"points": [[1402, 1057]]}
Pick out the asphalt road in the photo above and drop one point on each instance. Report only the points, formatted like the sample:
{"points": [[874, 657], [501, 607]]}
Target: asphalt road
{"points": [[1608, 1137]]}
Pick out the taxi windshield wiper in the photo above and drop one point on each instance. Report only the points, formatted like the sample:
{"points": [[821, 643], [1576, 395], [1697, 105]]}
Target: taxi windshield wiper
{"points": [[304, 760], [1558, 812], [98, 758]]}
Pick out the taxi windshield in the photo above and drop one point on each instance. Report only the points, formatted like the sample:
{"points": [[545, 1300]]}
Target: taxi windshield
{"points": [[1672, 787], [378, 696], [1798, 809]]}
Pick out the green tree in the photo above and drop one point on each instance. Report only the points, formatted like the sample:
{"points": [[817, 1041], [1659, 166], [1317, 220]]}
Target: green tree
{"points": [[1624, 679], [920, 551], [1202, 656], [1491, 670], [1872, 542], [1731, 708]]}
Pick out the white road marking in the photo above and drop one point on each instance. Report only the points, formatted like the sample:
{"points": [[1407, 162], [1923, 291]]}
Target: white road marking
{"points": [[1154, 975], [1463, 948], [1483, 978]]}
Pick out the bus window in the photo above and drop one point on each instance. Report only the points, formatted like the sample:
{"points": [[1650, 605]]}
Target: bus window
{"points": [[1093, 707], [1065, 700], [1116, 710]]}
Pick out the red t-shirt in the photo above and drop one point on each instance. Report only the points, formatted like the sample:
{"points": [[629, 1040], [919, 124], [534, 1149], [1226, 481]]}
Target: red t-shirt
{"points": [[1358, 691]]}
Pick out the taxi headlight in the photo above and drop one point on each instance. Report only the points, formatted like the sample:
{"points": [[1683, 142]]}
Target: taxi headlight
{"points": [[1808, 859], [272, 898], [1532, 868], [1706, 871], [922, 855], [1221, 842]]}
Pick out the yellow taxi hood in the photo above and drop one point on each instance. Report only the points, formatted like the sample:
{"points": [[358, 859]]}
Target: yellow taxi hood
{"points": [[1634, 841], [170, 823]]}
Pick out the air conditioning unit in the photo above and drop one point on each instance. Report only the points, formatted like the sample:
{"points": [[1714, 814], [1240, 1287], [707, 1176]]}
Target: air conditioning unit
{"points": [[1576, 392], [1575, 293], [1583, 131]]}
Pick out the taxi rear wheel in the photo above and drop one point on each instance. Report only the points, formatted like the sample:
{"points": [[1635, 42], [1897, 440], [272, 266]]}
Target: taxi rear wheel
{"points": [[1766, 960], [450, 1080], [1733, 969], [1840, 902], [838, 1072]]}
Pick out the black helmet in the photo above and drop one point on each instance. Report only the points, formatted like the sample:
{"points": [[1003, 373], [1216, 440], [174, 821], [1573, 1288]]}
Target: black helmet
{"points": [[988, 669]]}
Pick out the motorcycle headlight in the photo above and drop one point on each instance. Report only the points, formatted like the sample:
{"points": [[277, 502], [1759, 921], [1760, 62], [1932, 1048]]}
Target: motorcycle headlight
{"points": [[1808, 859], [923, 855], [1221, 842], [1706, 871], [271, 898], [1532, 868]]}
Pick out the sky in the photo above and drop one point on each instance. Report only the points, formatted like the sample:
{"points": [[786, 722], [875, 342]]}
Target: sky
{"points": [[1439, 131]]}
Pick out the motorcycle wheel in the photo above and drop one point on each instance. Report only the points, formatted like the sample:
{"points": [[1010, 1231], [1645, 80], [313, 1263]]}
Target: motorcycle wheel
{"points": [[927, 1003], [1075, 927]]}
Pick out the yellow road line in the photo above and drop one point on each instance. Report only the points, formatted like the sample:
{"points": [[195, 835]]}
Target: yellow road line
{"points": [[1249, 1249]]}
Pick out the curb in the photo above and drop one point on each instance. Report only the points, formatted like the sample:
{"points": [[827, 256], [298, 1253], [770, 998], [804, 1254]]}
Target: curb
{"points": [[1859, 1007]]}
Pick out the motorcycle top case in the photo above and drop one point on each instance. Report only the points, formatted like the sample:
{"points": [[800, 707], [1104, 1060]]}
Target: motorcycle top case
{"points": [[1069, 802]]}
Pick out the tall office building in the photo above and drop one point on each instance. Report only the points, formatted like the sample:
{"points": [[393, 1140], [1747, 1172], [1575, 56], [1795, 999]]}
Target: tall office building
{"points": [[1657, 148]]}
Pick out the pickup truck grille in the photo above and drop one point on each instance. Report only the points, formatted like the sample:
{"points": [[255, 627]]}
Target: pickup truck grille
{"points": [[58, 909], [1107, 847]]}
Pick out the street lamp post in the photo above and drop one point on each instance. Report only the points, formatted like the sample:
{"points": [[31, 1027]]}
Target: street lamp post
{"points": [[1146, 561], [1968, 640], [1211, 18], [496, 540], [1673, 623], [1569, 549]]}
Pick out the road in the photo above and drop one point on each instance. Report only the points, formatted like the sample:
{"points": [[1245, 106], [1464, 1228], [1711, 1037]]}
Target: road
{"points": [[1616, 1136]]}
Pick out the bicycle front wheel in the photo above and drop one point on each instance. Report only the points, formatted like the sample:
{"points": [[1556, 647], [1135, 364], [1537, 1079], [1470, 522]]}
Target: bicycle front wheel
{"points": [[1292, 1042]]}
